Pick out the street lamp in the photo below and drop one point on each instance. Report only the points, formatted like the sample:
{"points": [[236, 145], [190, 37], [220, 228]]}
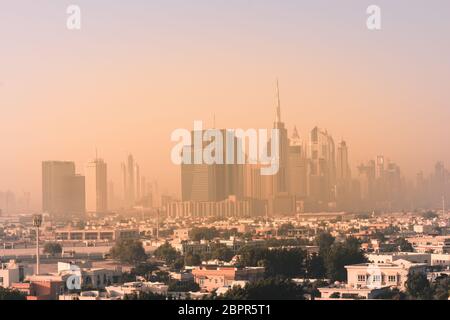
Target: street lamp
{"points": [[37, 222]]}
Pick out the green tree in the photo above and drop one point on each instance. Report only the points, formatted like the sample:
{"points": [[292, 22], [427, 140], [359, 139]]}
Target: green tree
{"points": [[221, 252], [267, 289], [403, 245], [418, 286], [183, 286], [441, 288], [324, 241], [144, 270], [272, 242], [144, 296], [202, 233], [335, 295], [251, 256], [129, 251], [53, 248], [11, 294], [285, 228], [379, 236], [167, 253], [315, 267], [287, 263], [430, 215], [161, 276], [391, 294], [192, 259], [341, 255]]}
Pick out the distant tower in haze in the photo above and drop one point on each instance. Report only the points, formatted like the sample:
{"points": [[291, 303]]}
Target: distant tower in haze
{"points": [[210, 182], [322, 166], [342, 165], [280, 182], [298, 167], [138, 182], [129, 170], [130, 196], [96, 186], [63, 192], [343, 177], [131, 180]]}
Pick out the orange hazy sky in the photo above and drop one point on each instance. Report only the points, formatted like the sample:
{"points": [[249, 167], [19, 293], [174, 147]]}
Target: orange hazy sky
{"points": [[137, 70]]}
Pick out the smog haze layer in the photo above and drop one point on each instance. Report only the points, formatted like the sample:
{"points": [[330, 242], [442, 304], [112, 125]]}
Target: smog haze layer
{"points": [[138, 70]]}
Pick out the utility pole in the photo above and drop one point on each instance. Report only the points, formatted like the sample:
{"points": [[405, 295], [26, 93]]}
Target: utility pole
{"points": [[37, 222]]}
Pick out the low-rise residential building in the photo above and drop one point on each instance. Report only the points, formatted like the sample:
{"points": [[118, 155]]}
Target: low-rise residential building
{"points": [[95, 278], [13, 272], [379, 275], [96, 235], [430, 244], [211, 277], [413, 257], [42, 287], [440, 259], [132, 288], [368, 280], [181, 234], [423, 228]]}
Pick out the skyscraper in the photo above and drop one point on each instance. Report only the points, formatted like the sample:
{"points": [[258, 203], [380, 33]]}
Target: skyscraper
{"points": [[281, 178], [298, 167], [323, 166], [211, 182], [343, 167], [343, 177], [62, 190], [76, 195], [130, 192], [130, 181], [96, 186]]}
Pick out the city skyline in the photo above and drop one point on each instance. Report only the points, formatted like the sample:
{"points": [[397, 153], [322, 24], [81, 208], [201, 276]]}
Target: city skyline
{"points": [[132, 172], [312, 175], [383, 92], [195, 153]]}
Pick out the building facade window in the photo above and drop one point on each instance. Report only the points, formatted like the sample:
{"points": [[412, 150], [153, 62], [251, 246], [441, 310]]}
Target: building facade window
{"points": [[376, 278]]}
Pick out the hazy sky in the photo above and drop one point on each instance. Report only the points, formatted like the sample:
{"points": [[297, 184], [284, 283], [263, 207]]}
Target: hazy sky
{"points": [[137, 70]]}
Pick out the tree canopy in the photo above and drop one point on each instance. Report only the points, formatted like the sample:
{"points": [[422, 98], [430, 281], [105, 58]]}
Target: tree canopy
{"points": [[287, 263], [267, 289], [129, 251], [203, 233], [418, 286], [53, 248], [11, 294]]}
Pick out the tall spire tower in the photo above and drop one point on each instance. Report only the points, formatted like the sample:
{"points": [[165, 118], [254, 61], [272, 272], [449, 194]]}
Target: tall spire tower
{"points": [[278, 118], [280, 182]]}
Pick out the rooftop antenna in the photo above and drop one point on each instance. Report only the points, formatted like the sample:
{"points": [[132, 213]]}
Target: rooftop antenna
{"points": [[443, 204]]}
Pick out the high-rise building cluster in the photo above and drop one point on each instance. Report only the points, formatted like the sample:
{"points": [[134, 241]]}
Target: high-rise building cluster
{"points": [[137, 190], [11, 203], [432, 191], [66, 194], [314, 175]]}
